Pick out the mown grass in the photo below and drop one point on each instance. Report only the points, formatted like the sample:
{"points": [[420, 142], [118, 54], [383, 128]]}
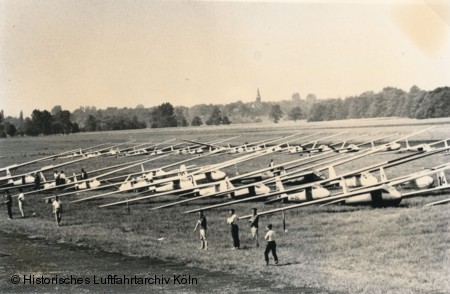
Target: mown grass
{"points": [[337, 248]]}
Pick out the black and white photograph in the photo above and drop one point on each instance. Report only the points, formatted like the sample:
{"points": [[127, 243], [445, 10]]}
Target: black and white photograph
{"points": [[225, 146]]}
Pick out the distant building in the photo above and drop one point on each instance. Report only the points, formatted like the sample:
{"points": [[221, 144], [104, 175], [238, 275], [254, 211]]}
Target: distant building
{"points": [[257, 103]]}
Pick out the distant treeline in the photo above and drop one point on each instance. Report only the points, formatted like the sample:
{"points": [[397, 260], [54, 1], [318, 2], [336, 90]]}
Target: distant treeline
{"points": [[390, 102]]}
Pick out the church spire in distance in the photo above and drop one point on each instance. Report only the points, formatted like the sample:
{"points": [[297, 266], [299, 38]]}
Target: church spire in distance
{"points": [[258, 96]]}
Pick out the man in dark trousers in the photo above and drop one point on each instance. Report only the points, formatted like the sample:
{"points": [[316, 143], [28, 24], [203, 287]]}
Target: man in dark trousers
{"points": [[254, 224], [8, 203], [233, 221], [57, 210], [84, 174], [271, 245], [203, 227], [37, 182]]}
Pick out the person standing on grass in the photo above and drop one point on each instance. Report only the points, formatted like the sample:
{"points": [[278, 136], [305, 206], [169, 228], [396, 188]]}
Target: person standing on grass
{"points": [[254, 223], [271, 245], [84, 174], [233, 221], [37, 182], [8, 203], [21, 201], [62, 178], [203, 226], [57, 210], [56, 176]]}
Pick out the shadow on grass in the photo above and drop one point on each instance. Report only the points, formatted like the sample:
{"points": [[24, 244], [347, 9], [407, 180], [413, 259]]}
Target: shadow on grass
{"points": [[285, 264]]}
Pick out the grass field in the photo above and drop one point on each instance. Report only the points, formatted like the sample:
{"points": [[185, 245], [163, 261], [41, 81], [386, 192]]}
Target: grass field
{"points": [[336, 248]]}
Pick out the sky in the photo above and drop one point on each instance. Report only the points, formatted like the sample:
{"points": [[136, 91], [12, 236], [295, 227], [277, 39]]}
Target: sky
{"points": [[123, 53]]}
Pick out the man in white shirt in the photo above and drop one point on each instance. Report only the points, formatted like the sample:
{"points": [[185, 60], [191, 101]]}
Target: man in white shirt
{"points": [[233, 221], [271, 245], [21, 201], [62, 178], [57, 210]]}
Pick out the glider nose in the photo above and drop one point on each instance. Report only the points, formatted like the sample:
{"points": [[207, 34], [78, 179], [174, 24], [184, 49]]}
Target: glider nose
{"points": [[320, 193], [262, 189], [267, 175], [395, 146], [424, 182], [392, 193], [94, 184], [218, 175], [206, 191], [164, 188], [368, 180], [353, 147]]}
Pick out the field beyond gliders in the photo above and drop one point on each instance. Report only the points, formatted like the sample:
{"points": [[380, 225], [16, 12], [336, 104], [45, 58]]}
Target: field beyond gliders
{"points": [[401, 248]]}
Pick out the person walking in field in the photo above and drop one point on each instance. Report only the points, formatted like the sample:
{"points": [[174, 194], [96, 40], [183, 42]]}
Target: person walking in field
{"points": [[62, 178], [271, 245], [84, 174], [203, 227], [56, 176], [233, 221], [21, 202], [57, 210], [254, 223], [37, 182], [8, 203]]}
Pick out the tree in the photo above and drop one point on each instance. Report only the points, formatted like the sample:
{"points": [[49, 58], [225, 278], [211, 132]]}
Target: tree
{"points": [[317, 112], [225, 120], [91, 124], [75, 128], [181, 119], [42, 120], [196, 121], [56, 109], [295, 113], [275, 113], [62, 123], [435, 104], [10, 129], [311, 99], [296, 97], [29, 128], [215, 118], [20, 124], [163, 116], [2, 131], [2, 127]]}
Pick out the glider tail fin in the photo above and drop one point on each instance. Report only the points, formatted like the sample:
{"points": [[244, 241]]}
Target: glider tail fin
{"points": [[42, 177], [332, 172], [442, 180], [228, 183], [344, 186], [182, 170], [280, 187], [383, 175]]}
